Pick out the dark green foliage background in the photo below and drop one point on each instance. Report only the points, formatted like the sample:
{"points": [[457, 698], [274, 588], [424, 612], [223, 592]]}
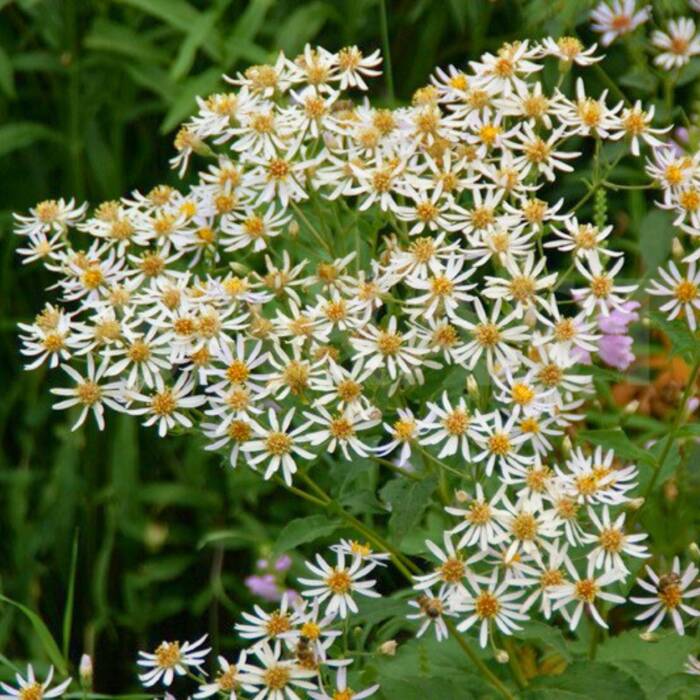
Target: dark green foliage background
{"points": [[91, 92]]}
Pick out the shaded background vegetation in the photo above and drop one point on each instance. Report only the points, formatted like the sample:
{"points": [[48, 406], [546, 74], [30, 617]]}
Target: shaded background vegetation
{"points": [[91, 93]]}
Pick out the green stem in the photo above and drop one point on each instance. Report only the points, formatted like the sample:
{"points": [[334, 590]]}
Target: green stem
{"points": [[514, 663], [483, 668], [397, 470], [384, 28], [322, 241]]}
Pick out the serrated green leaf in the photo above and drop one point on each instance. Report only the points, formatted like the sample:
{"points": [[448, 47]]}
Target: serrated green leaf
{"points": [[303, 530], [585, 680], [548, 635], [408, 500], [615, 439]]}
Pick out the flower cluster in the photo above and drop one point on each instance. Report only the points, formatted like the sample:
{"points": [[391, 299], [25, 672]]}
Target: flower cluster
{"points": [[289, 648], [674, 45], [393, 285]]}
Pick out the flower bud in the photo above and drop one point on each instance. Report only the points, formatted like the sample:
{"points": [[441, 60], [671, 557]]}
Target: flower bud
{"points": [[648, 637], [631, 407], [461, 496], [566, 445], [530, 318], [677, 248], [635, 503], [473, 388], [293, 229], [694, 551], [501, 656], [85, 671], [388, 648]]}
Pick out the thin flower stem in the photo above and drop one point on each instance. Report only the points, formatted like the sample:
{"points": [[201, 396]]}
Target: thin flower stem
{"points": [[440, 463], [311, 227], [386, 46], [483, 668], [514, 663], [397, 470], [670, 438], [612, 85]]}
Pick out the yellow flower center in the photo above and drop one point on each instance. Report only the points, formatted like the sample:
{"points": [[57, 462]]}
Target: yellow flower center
{"points": [[278, 443], [685, 291], [486, 605], [168, 654], [339, 581], [276, 677], [452, 570]]}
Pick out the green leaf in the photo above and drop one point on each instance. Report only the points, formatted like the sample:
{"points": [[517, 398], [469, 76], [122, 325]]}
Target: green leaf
{"points": [[408, 500], [683, 341], [614, 438], [7, 80], [639, 79], [303, 530], [232, 537], [43, 634], [648, 662], [177, 13], [302, 24], [184, 103], [198, 33], [425, 668], [240, 42], [585, 680], [656, 232], [689, 73], [547, 635], [22, 134], [117, 38]]}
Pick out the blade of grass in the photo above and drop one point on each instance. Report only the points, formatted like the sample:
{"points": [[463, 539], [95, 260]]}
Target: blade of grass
{"points": [[70, 598], [43, 633]]}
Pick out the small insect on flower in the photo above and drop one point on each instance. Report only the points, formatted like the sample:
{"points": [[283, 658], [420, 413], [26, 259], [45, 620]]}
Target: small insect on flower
{"points": [[431, 610], [29, 688], [669, 594], [338, 583], [171, 659]]}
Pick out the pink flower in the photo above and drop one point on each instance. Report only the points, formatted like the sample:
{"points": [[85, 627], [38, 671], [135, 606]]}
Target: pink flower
{"points": [[265, 587], [616, 322], [615, 350], [615, 346]]}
